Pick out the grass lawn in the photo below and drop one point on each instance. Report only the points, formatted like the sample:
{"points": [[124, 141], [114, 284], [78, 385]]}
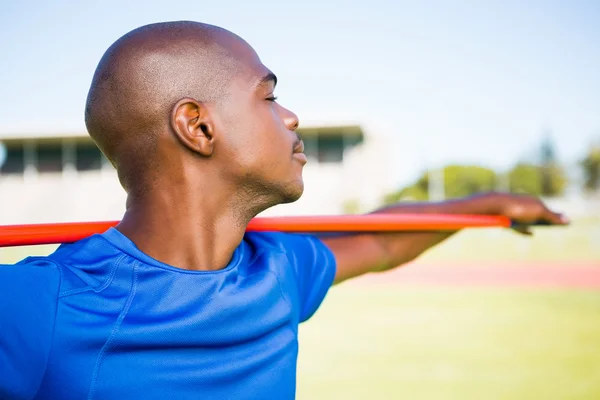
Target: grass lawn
{"points": [[578, 242], [391, 343]]}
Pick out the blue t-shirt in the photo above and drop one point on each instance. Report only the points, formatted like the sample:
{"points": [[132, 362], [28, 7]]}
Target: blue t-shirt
{"points": [[99, 319]]}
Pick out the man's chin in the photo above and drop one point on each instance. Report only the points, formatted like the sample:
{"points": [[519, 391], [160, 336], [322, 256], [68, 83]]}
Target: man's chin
{"points": [[271, 194], [293, 192]]}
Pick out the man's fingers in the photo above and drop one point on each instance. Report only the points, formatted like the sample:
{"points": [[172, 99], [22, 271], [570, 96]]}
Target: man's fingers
{"points": [[555, 218], [526, 214], [564, 219], [523, 229]]}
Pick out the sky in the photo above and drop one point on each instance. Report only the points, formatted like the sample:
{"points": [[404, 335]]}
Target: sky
{"points": [[444, 81]]}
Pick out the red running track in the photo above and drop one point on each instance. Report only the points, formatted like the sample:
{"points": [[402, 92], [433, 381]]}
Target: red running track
{"points": [[514, 275]]}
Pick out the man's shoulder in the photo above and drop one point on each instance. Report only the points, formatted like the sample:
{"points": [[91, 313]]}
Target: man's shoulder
{"points": [[29, 287], [37, 270], [29, 290], [28, 301], [279, 240], [86, 263], [299, 248]]}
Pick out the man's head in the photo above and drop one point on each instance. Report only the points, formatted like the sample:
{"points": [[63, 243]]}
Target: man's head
{"points": [[184, 103]]}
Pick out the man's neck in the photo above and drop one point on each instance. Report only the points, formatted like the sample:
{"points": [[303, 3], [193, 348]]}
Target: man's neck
{"points": [[186, 230]]}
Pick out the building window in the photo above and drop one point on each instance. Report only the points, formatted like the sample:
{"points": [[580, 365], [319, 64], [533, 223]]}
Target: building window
{"points": [[88, 157], [14, 160], [2, 153], [330, 149], [49, 158]]}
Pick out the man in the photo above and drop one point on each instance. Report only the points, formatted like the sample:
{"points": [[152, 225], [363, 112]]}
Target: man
{"points": [[177, 301]]}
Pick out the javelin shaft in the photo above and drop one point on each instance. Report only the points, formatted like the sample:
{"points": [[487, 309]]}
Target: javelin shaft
{"points": [[36, 234]]}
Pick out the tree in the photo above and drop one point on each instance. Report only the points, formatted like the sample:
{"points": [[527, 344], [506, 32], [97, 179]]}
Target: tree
{"points": [[459, 181], [553, 179], [351, 206], [532, 179], [548, 164], [525, 178], [415, 192], [543, 176], [591, 169]]}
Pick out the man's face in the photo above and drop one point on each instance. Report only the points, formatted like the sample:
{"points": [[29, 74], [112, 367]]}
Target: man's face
{"points": [[265, 155]]}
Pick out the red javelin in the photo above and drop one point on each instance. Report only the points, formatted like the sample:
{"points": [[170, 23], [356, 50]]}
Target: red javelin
{"points": [[36, 234]]}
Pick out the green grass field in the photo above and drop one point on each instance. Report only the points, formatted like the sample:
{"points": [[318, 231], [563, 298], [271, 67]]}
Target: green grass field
{"points": [[578, 242], [393, 343]]}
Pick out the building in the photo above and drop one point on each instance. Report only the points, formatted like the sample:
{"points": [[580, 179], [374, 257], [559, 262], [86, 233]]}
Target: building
{"points": [[64, 177]]}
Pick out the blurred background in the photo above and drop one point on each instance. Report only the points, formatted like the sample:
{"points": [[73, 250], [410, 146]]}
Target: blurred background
{"points": [[398, 101]]}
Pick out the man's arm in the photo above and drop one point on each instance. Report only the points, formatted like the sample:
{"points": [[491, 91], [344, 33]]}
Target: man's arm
{"points": [[362, 253], [28, 302]]}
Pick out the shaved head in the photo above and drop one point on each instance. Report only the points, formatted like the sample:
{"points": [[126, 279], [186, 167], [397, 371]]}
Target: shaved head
{"points": [[142, 76], [181, 108]]}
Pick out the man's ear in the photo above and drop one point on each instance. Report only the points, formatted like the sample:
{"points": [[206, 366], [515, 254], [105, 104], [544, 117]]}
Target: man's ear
{"points": [[192, 126]]}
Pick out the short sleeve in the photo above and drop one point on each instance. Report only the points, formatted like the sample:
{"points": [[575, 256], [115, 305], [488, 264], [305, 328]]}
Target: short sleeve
{"points": [[28, 298], [315, 265]]}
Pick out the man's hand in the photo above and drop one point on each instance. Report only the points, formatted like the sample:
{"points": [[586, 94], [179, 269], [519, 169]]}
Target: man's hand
{"points": [[527, 210], [359, 254]]}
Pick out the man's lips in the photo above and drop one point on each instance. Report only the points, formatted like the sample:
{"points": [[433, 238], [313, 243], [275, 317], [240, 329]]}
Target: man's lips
{"points": [[298, 152], [299, 147]]}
